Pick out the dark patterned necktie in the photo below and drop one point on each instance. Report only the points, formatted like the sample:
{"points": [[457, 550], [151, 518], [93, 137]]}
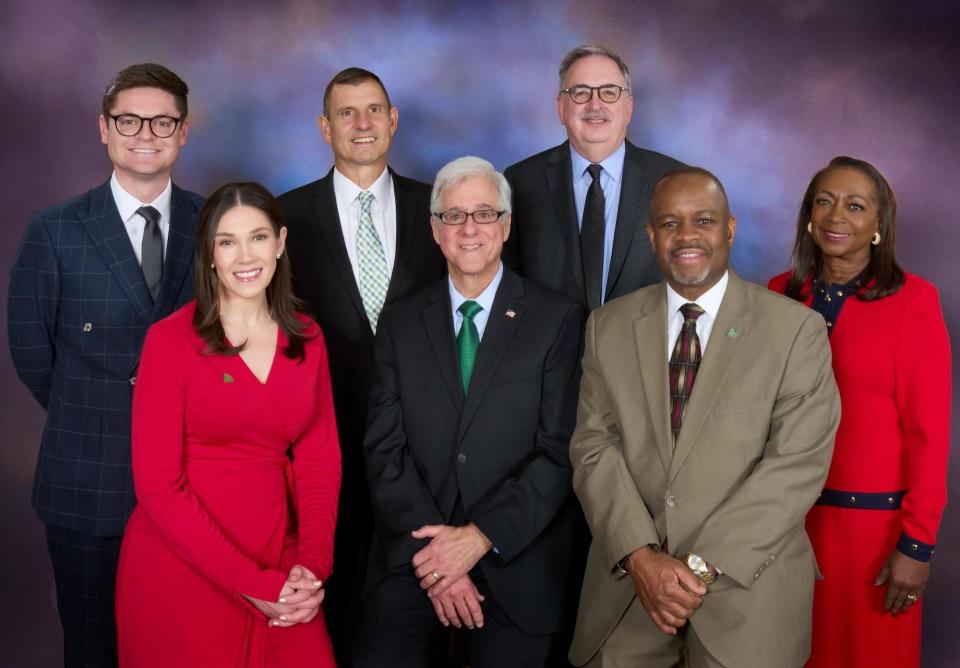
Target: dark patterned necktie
{"points": [[591, 239], [684, 363], [468, 340], [151, 250]]}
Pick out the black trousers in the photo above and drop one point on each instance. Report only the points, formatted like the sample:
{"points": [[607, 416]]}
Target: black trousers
{"points": [[85, 570], [398, 628]]}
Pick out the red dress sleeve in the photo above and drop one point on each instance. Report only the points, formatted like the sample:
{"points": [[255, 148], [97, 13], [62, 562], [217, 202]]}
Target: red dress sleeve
{"points": [[922, 368], [162, 488], [316, 467]]}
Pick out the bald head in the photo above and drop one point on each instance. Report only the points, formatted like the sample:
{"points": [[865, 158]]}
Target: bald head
{"points": [[709, 182]]}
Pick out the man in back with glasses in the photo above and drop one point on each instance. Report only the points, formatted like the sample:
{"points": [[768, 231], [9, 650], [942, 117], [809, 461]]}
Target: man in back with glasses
{"points": [[91, 275], [580, 209]]}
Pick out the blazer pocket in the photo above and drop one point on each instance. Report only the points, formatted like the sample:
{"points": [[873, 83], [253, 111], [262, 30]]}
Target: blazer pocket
{"points": [[71, 451], [740, 407], [510, 376]]}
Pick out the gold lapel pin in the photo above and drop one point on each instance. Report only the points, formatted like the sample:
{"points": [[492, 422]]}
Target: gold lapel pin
{"points": [[227, 378], [732, 332], [511, 313]]}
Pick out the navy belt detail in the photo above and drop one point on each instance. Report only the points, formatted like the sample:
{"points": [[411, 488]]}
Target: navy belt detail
{"points": [[861, 500]]}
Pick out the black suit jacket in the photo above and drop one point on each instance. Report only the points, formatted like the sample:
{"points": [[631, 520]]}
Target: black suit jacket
{"points": [[544, 243], [323, 278], [497, 457], [78, 313]]}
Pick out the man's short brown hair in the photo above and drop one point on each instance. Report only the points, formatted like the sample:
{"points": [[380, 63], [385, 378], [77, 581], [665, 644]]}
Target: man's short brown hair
{"points": [[146, 75], [352, 76]]}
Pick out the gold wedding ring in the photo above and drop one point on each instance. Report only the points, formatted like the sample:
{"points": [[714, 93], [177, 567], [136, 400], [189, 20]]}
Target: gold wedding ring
{"points": [[913, 597]]}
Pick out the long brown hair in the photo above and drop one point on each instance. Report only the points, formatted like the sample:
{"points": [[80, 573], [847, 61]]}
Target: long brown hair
{"points": [[280, 300], [882, 276]]}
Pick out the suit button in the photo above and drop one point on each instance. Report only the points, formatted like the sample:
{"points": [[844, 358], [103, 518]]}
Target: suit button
{"points": [[88, 326], [461, 458], [672, 501], [133, 380]]}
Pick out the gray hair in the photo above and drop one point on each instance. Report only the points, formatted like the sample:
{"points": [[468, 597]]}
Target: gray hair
{"points": [[585, 50], [461, 169]]}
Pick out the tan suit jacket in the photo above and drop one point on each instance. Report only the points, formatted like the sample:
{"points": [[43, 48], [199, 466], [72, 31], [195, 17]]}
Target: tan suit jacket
{"points": [[751, 457]]}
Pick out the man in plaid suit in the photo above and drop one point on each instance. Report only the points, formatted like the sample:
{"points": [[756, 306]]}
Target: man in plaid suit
{"points": [[90, 277]]}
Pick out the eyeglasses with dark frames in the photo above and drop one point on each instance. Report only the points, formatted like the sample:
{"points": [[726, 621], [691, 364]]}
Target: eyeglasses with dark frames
{"points": [[480, 216], [130, 124], [608, 93]]}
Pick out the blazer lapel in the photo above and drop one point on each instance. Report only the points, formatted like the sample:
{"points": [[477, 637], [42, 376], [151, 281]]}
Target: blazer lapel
{"points": [[110, 238], [634, 193], [650, 338], [438, 321], [496, 336], [328, 220], [177, 259], [560, 180], [722, 349], [406, 207]]}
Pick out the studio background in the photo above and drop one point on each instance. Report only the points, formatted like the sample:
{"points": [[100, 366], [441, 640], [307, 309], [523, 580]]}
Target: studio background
{"points": [[762, 94]]}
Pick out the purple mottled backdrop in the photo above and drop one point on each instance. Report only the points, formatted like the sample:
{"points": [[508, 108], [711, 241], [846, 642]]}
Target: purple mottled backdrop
{"points": [[763, 94]]}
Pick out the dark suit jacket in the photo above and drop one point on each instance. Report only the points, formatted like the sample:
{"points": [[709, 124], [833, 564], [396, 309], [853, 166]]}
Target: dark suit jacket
{"points": [[544, 243], [323, 278], [497, 457], [78, 313]]}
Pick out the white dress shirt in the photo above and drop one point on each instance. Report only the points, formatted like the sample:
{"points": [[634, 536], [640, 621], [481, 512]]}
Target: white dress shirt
{"points": [[134, 223], [383, 211], [709, 301]]}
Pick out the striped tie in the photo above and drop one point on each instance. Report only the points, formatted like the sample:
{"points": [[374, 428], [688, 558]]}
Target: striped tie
{"points": [[684, 363], [468, 340], [373, 262]]}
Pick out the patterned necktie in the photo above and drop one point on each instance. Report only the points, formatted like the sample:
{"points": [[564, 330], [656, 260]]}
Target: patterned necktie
{"points": [[591, 239], [151, 250], [373, 262], [468, 340], [684, 363]]}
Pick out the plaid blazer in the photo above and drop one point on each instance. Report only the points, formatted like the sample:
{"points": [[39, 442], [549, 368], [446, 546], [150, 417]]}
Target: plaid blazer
{"points": [[78, 312]]}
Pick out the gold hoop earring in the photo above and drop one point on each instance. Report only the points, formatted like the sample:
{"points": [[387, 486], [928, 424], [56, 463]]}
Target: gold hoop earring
{"points": [[810, 227], [876, 239]]}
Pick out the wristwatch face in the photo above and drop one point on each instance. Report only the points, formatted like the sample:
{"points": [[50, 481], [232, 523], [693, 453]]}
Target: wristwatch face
{"points": [[696, 564]]}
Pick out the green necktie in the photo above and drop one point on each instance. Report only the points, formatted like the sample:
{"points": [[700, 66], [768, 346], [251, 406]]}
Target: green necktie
{"points": [[468, 340]]}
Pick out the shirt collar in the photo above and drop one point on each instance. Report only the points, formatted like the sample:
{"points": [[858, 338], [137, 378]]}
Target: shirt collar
{"points": [[346, 190], [612, 165], [127, 204], [485, 298], [709, 301]]}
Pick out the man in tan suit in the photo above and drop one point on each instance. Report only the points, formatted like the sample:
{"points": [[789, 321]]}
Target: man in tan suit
{"points": [[704, 434]]}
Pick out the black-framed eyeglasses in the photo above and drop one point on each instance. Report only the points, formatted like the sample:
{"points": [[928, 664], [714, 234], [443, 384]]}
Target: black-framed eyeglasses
{"points": [[608, 93], [161, 126], [480, 216]]}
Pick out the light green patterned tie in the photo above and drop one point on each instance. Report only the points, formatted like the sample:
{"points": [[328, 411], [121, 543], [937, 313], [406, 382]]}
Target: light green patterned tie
{"points": [[373, 262], [468, 340]]}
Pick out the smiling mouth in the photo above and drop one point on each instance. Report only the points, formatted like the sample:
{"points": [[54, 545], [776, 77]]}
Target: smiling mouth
{"points": [[688, 254], [469, 247], [145, 151], [833, 236], [247, 276], [363, 140]]}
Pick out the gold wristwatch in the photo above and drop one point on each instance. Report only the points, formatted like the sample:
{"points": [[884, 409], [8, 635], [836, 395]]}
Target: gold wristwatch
{"points": [[699, 567]]}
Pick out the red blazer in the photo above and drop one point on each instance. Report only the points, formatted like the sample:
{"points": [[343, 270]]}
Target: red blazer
{"points": [[891, 359]]}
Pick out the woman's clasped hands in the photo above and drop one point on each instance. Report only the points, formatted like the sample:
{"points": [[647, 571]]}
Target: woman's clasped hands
{"points": [[299, 600]]}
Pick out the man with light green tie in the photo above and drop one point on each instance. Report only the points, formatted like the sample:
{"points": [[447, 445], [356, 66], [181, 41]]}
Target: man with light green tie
{"points": [[471, 413]]}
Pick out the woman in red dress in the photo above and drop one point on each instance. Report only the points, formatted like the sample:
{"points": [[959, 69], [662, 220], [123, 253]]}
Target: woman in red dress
{"points": [[875, 524], [235, 461]]}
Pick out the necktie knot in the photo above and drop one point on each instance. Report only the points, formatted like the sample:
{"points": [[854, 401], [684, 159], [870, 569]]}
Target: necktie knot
{"points": [[151, 215], [366, 199], [690, 313], [594, 169], [469, 309]]}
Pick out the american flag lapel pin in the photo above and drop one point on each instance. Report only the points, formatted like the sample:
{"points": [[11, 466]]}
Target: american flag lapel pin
{"points": [[511, 313]]}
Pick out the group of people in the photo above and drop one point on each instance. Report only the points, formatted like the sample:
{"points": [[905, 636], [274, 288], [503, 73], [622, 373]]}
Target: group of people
{"points": [[537, 406]]}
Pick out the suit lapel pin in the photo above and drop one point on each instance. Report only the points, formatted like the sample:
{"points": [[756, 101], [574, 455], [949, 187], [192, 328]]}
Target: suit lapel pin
{"points": [[511, 313], [227, 378], [732, 332]]}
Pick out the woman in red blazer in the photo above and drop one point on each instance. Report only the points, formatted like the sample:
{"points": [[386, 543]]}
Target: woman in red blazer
{"points": [[875, 525], [235, 462]]}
